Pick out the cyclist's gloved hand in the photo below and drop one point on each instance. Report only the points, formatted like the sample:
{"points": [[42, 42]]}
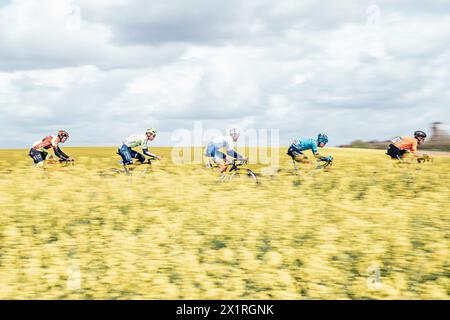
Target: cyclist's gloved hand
{"points": [[424, 158], [329, 158]]}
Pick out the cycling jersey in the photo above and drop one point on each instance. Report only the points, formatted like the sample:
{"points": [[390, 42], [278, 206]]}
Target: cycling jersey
{"points": [[46, 143], [405, 143], [137, 140], [305, 144], [212, 150], [222, 142]]}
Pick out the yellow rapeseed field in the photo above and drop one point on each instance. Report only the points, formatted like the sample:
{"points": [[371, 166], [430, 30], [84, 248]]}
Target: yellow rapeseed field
{"points": [[365, 229]]}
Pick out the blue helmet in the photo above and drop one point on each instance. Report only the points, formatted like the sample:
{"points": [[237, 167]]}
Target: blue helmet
{"points": [[322, 138]]}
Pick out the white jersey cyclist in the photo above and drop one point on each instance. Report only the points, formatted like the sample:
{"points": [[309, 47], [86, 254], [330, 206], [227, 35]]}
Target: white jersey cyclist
{"points": [[213, 148], [126, 150]]}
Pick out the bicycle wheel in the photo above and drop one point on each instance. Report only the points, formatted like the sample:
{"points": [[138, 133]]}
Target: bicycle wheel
{"points": [[249, 176], [111, 173], [141, 173], [252, 176], [234, 176], [323, 165], [225, 177]]}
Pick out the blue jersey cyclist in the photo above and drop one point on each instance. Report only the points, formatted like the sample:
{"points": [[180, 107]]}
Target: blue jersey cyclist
{"points": [[137, 140], [298, 146]]}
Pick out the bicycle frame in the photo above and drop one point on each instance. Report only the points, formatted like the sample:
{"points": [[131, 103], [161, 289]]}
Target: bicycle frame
{"points": [[235, 166], [128, 169], [233, 171], [320, 164], [60, 162]]}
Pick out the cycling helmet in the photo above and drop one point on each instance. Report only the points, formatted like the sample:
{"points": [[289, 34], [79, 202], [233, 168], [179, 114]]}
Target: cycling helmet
{"points": [[419, 134], [233, 131], [322, 138], [152, 131], [63, 134]]}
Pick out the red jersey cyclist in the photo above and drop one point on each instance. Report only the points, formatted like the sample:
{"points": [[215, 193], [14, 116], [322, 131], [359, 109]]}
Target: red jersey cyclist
{"points": [[39, 150]]}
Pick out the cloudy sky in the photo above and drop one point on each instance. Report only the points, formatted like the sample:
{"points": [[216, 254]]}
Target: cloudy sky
{"points": [[103, 69]]}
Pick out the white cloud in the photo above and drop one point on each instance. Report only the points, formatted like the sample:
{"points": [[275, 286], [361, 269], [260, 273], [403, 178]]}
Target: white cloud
{"points": [[351, 70]]}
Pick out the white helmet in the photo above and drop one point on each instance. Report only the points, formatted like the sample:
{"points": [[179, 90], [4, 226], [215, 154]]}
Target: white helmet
{"points": [[152, 131], [234, 131]]}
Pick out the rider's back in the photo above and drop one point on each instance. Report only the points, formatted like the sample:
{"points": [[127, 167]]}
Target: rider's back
{"points": [[406, 143], [46, 143], [136, 140], [222, 141], [305, 144]]}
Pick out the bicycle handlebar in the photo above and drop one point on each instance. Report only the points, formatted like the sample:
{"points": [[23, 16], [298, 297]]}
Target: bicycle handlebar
{"points": [[238, 162]]}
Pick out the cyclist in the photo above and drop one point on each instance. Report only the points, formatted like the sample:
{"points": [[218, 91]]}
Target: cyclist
{"points": [[401, 145], [126, 150], [298, 146], [39, 150], [213, 149]]}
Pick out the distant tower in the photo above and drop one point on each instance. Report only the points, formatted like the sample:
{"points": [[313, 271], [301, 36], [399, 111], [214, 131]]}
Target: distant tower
{"points": [[438, 135], [435, 127]]}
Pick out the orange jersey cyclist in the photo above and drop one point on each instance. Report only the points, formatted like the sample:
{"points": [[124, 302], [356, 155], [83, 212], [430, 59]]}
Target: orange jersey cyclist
{"points": [[39, 150], [137, 140], [401, 145]]}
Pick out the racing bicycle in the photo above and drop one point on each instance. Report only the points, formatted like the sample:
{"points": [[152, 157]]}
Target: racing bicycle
{"points": [[57, 163], [321, 163], [235, 172], [134, 169]]}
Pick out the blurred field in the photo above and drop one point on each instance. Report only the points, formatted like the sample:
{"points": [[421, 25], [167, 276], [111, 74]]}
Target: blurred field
{"points": [[363, 230]]}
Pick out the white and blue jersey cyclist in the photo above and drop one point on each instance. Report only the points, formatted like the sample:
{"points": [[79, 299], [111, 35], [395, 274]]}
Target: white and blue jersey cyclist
{"points": [[213, 149], [137, 140], [299, 145]]}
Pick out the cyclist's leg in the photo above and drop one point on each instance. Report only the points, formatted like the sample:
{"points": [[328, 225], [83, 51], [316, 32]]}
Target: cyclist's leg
{"points": [[394, 152], [210, 150], [290, 151], [37, 156], [296, 154], [137, 155], [209, 155], [215, 156], [125, 153], [219, 157], [293, 152], [220, 160]]}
